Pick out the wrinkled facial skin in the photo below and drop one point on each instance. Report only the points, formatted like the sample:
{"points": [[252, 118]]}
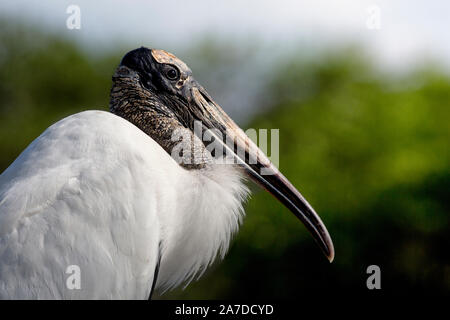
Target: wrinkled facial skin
{"points": [[156, 91], [160, 71], [171, 81]]}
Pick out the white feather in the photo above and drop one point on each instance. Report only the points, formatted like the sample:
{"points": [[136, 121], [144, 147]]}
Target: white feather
{"points": [[95, 191]]}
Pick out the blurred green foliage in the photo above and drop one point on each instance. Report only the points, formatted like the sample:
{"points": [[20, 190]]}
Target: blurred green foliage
{"points": [[43, 79], [368, 149]]}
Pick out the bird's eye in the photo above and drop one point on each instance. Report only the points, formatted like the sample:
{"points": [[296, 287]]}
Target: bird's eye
{"points": [[172, 73]]}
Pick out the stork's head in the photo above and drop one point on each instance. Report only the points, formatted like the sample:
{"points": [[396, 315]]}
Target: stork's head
{"points": [[156, 91]]}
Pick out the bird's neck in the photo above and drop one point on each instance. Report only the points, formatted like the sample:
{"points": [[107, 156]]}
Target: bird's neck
{"points": [[210, 194], [149, 113], [140, 108], [212, 205]]}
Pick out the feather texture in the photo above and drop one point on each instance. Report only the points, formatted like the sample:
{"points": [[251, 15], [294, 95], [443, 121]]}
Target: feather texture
{"points": [[96, 192]]}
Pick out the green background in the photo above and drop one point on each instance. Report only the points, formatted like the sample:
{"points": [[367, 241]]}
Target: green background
{"points": [[368, 148]]}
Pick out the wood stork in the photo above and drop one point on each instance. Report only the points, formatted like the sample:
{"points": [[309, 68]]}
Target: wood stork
{"points": [[103, 192]]}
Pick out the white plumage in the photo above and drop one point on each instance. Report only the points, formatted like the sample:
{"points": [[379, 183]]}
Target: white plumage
{"points": [[100, 193], [95, 191]]}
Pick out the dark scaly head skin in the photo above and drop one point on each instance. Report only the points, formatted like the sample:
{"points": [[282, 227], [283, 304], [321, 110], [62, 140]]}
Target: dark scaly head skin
{"points": [[152, 89], [156, 91]]}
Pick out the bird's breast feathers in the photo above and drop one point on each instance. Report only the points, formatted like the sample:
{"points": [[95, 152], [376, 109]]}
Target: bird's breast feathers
{"points": [[96, 192]]}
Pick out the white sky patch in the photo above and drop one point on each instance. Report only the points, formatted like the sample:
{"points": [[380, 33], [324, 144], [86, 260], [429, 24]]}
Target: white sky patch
{"points": [[409, 29]]}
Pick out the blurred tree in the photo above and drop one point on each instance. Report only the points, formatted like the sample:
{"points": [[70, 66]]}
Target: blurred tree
{"points": [[368, 149], [42, 79], [370, 152]]}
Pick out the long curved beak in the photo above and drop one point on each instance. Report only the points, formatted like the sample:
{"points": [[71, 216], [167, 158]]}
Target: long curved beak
{"points": [[258, 167]]}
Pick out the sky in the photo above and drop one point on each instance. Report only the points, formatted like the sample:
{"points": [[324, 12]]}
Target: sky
{"points": [[403, 32], [398, 34]]}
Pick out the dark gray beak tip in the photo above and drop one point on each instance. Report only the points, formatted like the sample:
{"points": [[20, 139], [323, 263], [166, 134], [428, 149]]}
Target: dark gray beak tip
{"points": [[330, 253]]}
